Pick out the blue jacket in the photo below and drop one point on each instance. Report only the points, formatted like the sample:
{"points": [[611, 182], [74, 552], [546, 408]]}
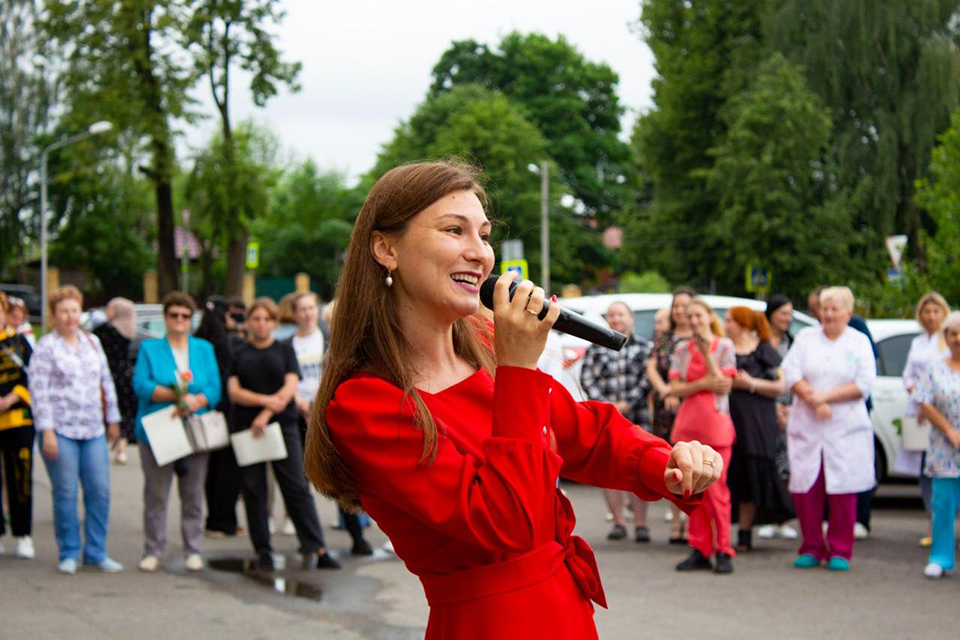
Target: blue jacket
{"points": [[156, 367]]}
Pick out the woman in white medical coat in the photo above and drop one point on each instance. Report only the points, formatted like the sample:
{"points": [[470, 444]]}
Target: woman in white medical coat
{"points": [[830, 369]]}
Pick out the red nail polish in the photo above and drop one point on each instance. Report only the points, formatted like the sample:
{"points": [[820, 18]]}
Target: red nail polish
{"points": [[553, 298]]}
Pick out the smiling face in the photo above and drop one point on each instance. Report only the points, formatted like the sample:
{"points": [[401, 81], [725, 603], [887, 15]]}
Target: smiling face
{"points": [[931, 317], [441, 258], [620, 318], [781, 318], [834, 316], [699, 319], [678, 310]]}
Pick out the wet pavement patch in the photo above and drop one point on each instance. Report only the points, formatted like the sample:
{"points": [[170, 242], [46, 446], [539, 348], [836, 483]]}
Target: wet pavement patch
{"points": [[285, 585]]}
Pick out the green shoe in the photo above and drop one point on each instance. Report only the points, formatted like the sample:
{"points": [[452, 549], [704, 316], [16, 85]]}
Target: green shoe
{"points": [[838, 564], [806, 561]]}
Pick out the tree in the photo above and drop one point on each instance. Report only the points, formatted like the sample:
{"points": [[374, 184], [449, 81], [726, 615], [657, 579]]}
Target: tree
{"points": [[27, 92], [890, 74], [123, 65], [308, 227], [706, 51], [572, 101], [229, 185], [485, 127], [223, 34], [778, 205]]}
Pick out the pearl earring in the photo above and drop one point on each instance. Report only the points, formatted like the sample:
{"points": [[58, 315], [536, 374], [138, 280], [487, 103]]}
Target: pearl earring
{"points": [[389, 279]]}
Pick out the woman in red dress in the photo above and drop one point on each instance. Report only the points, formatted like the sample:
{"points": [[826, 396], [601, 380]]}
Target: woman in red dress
{"points": [[702, 373], [450, 438]]}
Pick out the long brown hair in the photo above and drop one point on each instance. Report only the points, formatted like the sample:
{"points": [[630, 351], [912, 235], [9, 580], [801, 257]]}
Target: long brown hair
{"points": [[716, 326], [751, 320], [365, 333]]}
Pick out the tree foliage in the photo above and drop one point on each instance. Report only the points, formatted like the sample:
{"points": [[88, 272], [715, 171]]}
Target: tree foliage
{"points": [[777, 200], [308, 226], [27, 94], [890, 73], [571, 100], [124, 65], [223, 35]]}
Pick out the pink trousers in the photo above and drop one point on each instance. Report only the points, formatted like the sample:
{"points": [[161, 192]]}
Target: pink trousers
{"points": [[710, 523], [843, 514]]}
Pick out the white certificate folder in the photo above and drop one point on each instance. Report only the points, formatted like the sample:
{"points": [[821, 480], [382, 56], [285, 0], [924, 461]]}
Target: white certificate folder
{"points": [[250, 450], [168, 439]]}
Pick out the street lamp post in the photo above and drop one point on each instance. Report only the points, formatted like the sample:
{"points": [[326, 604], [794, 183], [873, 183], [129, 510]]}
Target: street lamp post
{"points": [[96, 128]]}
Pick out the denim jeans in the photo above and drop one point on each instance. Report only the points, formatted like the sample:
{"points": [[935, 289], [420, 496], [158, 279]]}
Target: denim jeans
{"points": [[89, 462]]}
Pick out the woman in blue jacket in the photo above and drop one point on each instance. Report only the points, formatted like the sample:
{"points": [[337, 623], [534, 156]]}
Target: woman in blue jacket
{"points": [[161, 364]]}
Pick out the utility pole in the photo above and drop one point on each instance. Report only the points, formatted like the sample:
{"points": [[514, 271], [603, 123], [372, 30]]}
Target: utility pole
{"points": [[545, 226]]}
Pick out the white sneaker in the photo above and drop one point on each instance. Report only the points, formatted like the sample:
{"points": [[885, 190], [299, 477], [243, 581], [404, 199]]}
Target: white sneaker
{"points": [[766, 532], [67, 566], [288, 529], [786, 532], [24, 548], [860, 532], [933, 570], [194, 562], [668, 516], [388, 546], [149, 564]]}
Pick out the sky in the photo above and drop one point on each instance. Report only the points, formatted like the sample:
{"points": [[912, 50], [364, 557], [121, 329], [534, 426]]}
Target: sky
{"points": [[366, 66]]}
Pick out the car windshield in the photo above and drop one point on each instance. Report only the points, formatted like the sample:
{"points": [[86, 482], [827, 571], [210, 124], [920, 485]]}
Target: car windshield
{"points": [[892, 354]]}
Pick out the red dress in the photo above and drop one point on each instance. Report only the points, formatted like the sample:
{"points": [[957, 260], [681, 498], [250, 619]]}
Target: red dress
{"points": [[483, 525]]}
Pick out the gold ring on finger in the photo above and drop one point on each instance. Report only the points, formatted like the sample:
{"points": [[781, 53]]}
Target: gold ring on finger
{"points": [[709, 462], [531, 311]]}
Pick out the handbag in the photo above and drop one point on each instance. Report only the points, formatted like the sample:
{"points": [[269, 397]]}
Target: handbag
{"points": [[207, 432]]}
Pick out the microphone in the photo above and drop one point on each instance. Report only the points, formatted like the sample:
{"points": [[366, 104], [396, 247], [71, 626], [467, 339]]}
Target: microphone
{"points": [[569, 322]]}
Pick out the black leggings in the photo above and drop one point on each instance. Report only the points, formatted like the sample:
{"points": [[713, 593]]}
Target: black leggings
{"points": [[17, 446]]}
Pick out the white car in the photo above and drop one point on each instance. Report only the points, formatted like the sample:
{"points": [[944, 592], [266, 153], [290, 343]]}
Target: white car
{"points": [[892, 338]]}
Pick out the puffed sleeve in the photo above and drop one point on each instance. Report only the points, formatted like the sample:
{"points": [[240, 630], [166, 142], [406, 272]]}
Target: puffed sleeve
{"points": [[769, 359], [600, 447], [679, 360], [496, 498], [727, 358], [39, 376]]}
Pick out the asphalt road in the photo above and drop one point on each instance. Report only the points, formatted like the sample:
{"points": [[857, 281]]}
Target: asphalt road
{"points": [[884, 596]]}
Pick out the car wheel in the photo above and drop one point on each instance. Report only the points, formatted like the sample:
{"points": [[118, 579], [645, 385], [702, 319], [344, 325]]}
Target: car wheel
{"points": [[879, 462]]}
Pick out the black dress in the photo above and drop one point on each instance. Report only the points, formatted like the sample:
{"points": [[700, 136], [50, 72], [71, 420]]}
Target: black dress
{"points": [[753, 475]]}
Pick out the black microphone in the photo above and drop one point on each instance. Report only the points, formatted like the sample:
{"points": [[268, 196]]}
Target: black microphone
{"points": [[569, 322]]}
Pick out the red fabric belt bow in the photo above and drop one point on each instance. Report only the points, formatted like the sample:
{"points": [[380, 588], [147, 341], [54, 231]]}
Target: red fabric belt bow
{"points": [[578, 556]]}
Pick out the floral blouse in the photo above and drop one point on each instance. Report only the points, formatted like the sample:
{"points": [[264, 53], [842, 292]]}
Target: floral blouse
{"points": [[940, 387], [71, 386]]}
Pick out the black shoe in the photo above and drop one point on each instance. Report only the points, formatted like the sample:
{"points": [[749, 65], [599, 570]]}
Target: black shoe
{"points": [[361, 548], [265, 561], [724, 563], [642, 534], [745, 540], [327, 561], [696, 562], [619, 532]]}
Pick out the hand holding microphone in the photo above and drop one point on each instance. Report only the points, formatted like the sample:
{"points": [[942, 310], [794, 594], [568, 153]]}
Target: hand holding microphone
{"points": [[520, 333]]}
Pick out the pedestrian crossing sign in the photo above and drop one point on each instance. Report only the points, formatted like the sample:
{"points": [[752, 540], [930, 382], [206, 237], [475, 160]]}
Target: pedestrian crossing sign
{"points": [[520, 266]]}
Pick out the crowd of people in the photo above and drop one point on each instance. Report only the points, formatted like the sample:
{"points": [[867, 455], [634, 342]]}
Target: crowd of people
{"points": [[789, 415], [80, 398]]}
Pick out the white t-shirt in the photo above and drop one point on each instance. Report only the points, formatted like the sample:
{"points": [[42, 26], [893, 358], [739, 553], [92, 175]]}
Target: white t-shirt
{"points": [[309, 351]]}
